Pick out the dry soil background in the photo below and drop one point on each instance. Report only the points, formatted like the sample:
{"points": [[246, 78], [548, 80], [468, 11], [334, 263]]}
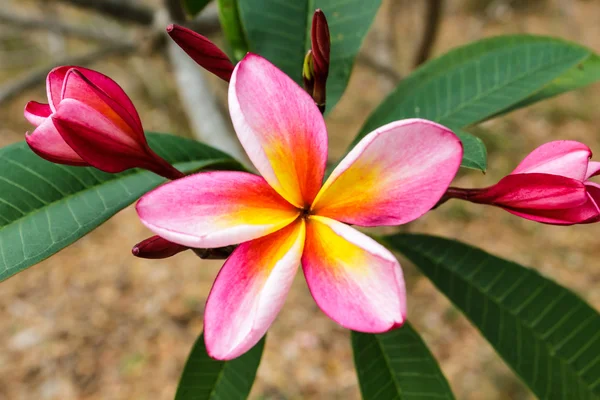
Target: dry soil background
{"points": [[93, 322]]}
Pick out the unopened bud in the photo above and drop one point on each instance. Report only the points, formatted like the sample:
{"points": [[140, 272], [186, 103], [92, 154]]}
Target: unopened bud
{"points": [[156, 247], [316, 62]]}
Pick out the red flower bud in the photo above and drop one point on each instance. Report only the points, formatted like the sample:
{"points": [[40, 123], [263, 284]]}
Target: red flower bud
{"points": [[203, 51], [156, 247], [90, 121], [321, 47]]}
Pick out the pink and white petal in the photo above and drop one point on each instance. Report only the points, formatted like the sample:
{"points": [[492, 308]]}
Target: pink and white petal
{"points": [[214, 209], [280, 127], [593, 169], [394, 175], [355, 281], [36, 113], [47, 143], [561, 157], [54, 85], [533, 191], [77, 87], [250, 290]]}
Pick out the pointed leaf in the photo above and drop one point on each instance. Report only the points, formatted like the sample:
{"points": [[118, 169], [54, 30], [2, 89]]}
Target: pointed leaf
{"points": [[206, 379], [397, 365], [475, 153], [280, 31], [544, 332], [44, 207]]}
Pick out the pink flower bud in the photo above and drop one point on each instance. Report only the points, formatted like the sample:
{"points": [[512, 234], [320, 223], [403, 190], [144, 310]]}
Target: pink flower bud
{"points": [[549, 186], [90, 121], [202, 50]]}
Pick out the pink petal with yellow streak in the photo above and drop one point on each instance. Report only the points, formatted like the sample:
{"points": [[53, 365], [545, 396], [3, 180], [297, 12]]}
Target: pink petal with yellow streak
{"points": [[98, 140], [36, 113], [355, 281], [214, 209], [55, 83], [561, 157], [394, 175], [250, 291], [46, 142], [78, 88], [280, 127]]}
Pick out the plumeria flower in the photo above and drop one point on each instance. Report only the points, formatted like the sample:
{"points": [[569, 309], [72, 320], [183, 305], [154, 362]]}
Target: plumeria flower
{"points": [[89, 120], [550, 186], [288, 217]]}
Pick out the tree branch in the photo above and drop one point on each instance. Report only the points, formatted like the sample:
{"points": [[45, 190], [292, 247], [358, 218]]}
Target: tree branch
{"points": [[124, 10], [55, 26], [34, 77], [432, 23]]}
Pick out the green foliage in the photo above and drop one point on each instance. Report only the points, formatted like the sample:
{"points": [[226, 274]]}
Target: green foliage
{"points": [[280, 31], [583, 74], [477, 81], [229, 16], [545, 333], [397, 365], [44, 207], [206, 379], [193, 7], [475, 154]]}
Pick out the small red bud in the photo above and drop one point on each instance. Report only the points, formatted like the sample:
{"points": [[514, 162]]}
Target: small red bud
{"points": [[202, 50], [321, 48], [156, 247]]}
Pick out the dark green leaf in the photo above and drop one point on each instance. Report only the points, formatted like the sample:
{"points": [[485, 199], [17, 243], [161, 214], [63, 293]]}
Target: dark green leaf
{"points": [[397, 365], [279, 30], [475, 154], [193, 7], [583, 74], [229, 16], [44, 207], [472, 83], [544, 332], [206, 379]]}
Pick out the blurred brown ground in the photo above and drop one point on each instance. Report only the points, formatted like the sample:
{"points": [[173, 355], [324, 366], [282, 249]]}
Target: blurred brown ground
{"points": [[93, 322]]}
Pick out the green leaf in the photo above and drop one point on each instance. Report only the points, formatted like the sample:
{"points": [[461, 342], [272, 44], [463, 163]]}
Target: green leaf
{"points": [[474, 82], [475, 153], [193, 7], [44, 207], [280, 31], [397, 365], [583, 74], [229, 16], [204, 378], [544, 332]]}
